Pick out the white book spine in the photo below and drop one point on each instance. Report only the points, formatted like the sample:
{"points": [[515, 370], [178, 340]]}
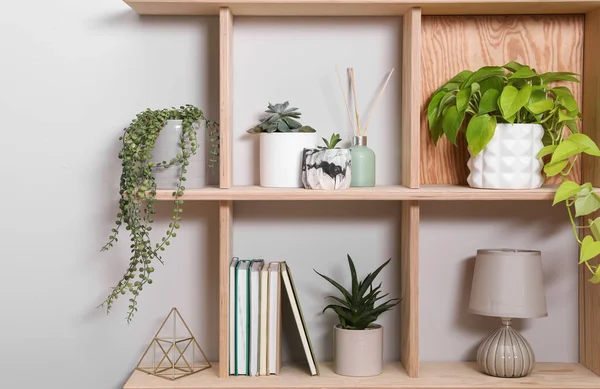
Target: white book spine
{"points": [[232, 269], [242, 320], [254, 316], [264, 290], [273, 349]]}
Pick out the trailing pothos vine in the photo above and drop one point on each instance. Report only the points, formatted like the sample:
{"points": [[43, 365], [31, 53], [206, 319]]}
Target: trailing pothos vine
{"points": [[138, 190]]}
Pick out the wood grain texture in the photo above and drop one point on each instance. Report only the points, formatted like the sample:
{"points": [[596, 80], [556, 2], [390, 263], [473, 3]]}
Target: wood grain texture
{"points": [[409, 281], [444, 375], [455, 43], [360, 7], [411, 97], [589, 294], [226, 96], [225, 244], [426, 192]]}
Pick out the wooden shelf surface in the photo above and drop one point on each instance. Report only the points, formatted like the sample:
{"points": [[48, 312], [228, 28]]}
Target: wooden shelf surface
{"points": [[398, 192], [443, 375], [360, 7]]}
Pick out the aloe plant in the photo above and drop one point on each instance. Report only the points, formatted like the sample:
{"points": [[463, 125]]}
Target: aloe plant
{"points": [[358, 308], [332, 142]]}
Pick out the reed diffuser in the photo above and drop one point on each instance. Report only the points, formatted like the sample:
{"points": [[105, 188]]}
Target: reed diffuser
{"points": [[363, 157]]}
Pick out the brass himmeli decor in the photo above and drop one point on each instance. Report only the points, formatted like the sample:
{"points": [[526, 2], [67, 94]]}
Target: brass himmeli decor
{"points": [[173, 352]]}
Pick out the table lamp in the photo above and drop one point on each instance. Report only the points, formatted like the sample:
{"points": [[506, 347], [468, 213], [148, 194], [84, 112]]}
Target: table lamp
{"points": [[507, 284]]}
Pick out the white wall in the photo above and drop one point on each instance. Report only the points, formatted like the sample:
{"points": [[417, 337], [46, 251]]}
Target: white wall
{"points": [[73, 74]]}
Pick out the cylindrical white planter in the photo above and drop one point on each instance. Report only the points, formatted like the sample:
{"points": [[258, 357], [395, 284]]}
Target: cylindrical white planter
{"points": [[358, 353], [509, 160], [281, 158], [168, 145]]}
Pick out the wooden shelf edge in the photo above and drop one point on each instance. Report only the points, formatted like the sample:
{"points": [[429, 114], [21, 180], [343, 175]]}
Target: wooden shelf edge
{"points": [[437, 375], [381, 193]]}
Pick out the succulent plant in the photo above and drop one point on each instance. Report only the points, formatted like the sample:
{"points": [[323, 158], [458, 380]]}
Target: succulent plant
{"points": [[357, 310], [331, 143], [280, 118]]}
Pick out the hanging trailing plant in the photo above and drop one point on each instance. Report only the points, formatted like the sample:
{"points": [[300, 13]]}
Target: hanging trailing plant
{"points": [[138, 190]]}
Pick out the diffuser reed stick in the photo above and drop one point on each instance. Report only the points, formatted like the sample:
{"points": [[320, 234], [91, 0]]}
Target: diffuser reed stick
{"points": [[377, 100], [354, 95], [345, 98]]}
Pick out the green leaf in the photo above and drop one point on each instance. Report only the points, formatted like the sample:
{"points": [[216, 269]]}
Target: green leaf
{"points": [[554, 168], [513, 66], [595, 228], [340, 311], [370, 278], [589, 249], [483, 74], [489, 101], [565, 191], [433, 108], [566, 98], [585, 143], [496, 83], [572, 124], [339, 287], [566, 149], [480, 131], [451, 122], [339, 300], [353, 276], [513, 99], [540, 107], [558, 76], [595, 279], [460, 77], [523, 73], [462, 99], [587, 204], [546, 150]]}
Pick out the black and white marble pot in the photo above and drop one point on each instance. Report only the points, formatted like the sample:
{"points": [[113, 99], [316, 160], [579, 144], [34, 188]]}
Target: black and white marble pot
{"points": [[326, 168]]}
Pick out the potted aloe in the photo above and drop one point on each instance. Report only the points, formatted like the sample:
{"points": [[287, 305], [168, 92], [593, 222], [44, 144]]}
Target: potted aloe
{"points": [[327, 167], [508, 114], [160, 150], [282, 141], [357, 339]]}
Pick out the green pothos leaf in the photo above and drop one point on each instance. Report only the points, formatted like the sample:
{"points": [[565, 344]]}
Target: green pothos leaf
{"points": [[565, 191], [587, 204], [589, 249], [595, 228]]}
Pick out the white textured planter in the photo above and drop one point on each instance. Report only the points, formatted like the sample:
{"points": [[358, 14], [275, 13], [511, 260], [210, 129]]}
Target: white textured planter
{"points": [[167, 146], [327, 169], [509, 160], [358, 353], [281, 158]]}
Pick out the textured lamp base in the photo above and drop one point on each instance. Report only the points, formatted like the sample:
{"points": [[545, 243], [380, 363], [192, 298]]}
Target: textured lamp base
{"points": [[505, 353]]}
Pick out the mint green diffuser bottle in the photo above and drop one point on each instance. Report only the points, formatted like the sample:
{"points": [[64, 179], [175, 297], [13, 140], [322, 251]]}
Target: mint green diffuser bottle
{"points": [[363, 162]]}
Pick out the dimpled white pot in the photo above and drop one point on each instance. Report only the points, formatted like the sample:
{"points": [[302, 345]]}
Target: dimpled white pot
{"points": [[509, 160], [168, 145], [358, 353], [281, 158]]}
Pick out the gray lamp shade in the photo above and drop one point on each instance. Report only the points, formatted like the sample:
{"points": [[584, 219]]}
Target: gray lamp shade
{"points": [[508, 283]]}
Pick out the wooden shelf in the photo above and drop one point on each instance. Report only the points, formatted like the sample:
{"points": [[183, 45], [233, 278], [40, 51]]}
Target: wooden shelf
{"points": [[429, 192], [360, 7], [444, 375]]}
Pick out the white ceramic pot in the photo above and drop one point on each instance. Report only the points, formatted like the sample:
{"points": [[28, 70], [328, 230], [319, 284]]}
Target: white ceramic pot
{"points": [[168, 145], [509, 160], [327, 169], [281, 158], [358, 353]]}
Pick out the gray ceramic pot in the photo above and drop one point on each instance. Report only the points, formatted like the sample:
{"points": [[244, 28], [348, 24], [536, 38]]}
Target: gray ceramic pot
{"points": [[326, 168], [358, 353]]}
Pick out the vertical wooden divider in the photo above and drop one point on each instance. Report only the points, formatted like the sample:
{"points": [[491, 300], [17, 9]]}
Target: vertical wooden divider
{"points": [[225, 182], [589, 294], [409, 278], [411, 97]]}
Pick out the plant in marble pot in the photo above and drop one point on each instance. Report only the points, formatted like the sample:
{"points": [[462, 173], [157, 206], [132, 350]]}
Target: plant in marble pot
{"points": [[282, 141], [358, 340], [327, 167], [162, 149], [508, 114]]}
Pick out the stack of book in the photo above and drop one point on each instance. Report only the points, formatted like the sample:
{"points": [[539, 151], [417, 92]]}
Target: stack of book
{"points": [[255, 317]]}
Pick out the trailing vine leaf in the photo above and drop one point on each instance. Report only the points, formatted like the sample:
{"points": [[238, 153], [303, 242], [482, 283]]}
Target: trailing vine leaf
{"points": [[595, 279], [479, 132], [553, 168], [589, 249], [434, 107], [565, 191], [451, 123], [589, 203], [595, 228], [565, 150], [546, 150], [513, 99], [585, 143], [489, 101], [513, 66]]}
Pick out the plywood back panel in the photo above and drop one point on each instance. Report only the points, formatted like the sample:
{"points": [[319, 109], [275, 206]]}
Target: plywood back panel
{"points": [[455, 43]]}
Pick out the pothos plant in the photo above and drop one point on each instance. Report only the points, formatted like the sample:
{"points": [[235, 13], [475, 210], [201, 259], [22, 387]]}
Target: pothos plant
{"points": [[138, 189], [359, 307], [512, 93]]}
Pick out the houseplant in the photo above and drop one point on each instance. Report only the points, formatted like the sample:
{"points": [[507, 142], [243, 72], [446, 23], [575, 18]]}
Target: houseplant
{"points": [[357, 339], [282, 141], [138, 187], [508, 114], [327, 167]]}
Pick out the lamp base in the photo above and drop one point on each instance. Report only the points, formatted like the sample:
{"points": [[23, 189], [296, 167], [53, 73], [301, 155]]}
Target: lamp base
{"points": [[505, 353]]}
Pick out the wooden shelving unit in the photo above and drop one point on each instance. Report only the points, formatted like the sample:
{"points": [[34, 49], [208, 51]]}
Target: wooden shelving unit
{"points": [[428, 173]]}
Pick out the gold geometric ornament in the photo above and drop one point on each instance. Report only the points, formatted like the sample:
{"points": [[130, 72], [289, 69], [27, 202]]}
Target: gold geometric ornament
{"points": [[174, 351]]}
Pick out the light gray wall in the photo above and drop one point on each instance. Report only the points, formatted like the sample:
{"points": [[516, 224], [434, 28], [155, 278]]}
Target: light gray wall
{"points": [[72, 76]]}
